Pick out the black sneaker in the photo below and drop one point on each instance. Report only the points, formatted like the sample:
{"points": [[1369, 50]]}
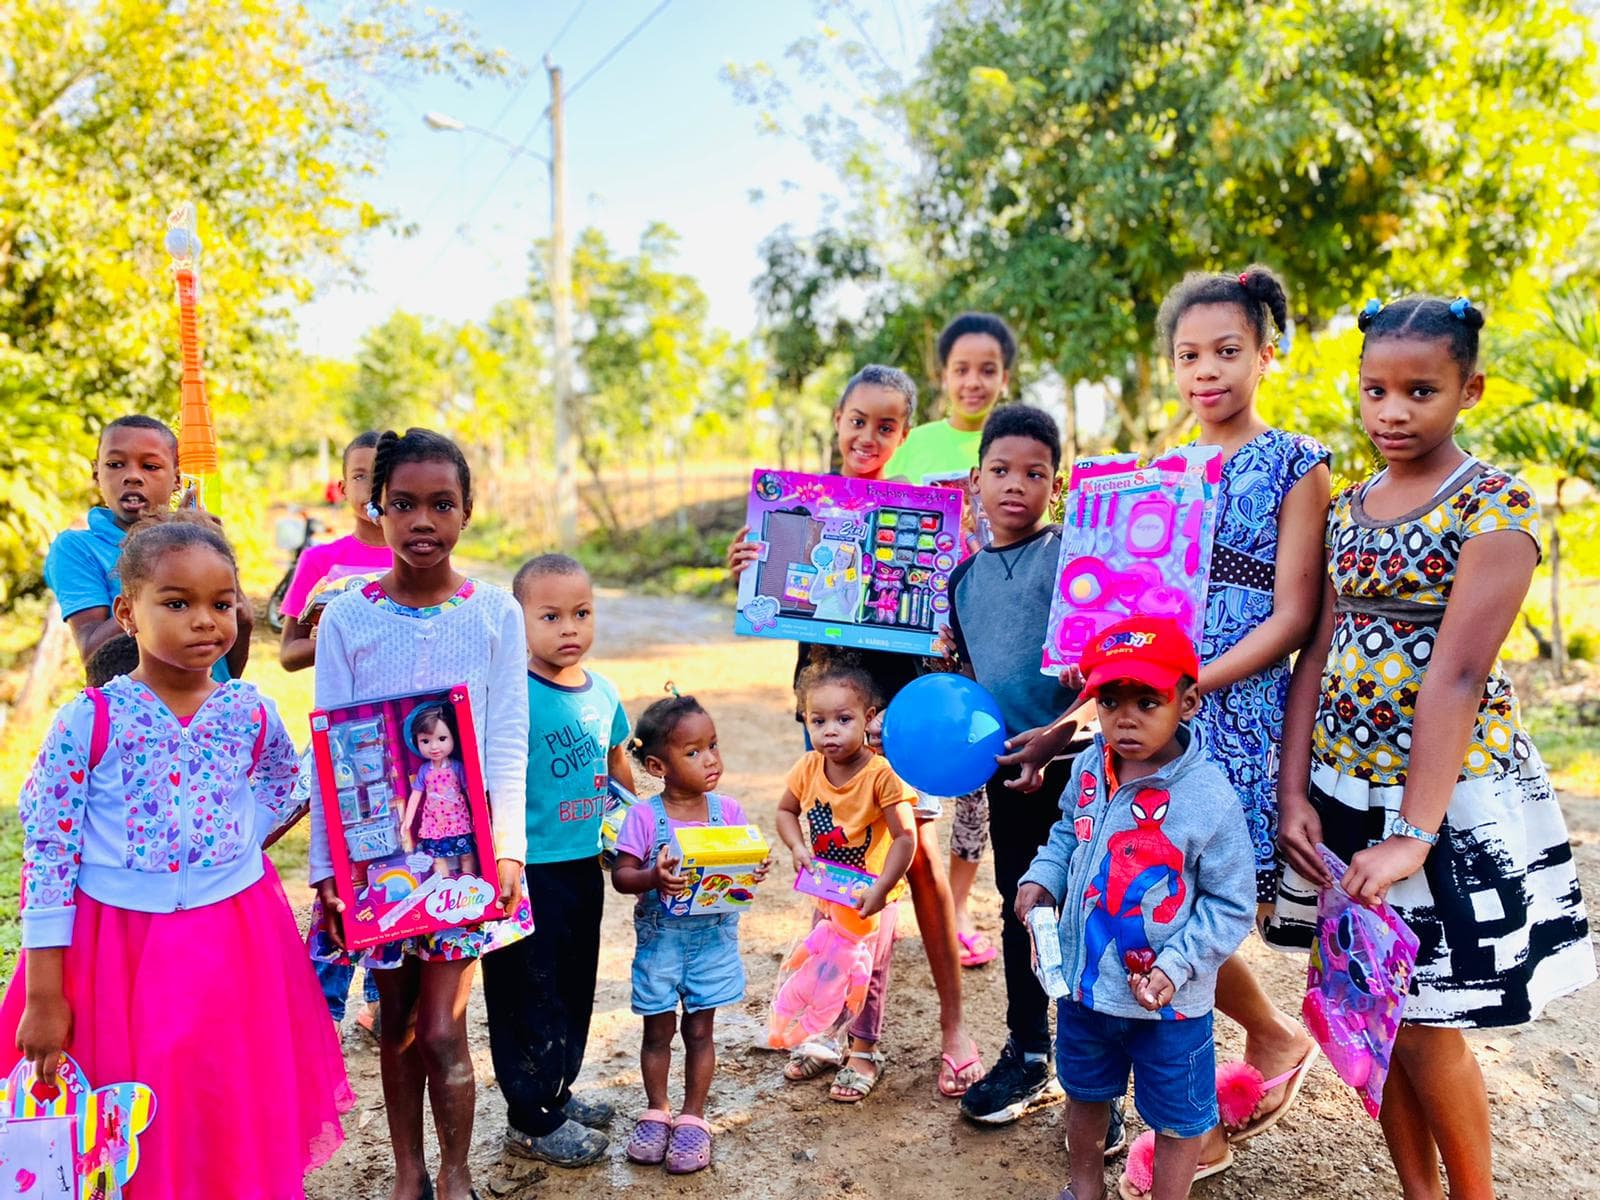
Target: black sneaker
{"points": [[569, 1146], [596, 1114], [1012, 1087], [1117, 1131]]}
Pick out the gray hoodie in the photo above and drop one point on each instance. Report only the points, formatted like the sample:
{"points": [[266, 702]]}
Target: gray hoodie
{"points": [[1163, 865]]}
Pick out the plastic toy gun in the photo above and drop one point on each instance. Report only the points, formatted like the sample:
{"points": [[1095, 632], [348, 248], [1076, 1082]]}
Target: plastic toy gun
{"points": [[197, 438]]}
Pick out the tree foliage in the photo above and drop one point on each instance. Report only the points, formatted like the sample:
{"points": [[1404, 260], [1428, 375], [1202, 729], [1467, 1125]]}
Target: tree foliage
{"points": [[112, 111]]}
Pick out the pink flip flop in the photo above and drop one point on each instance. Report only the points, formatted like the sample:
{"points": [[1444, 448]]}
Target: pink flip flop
{"points": [[976, 949], [958, 1089]]}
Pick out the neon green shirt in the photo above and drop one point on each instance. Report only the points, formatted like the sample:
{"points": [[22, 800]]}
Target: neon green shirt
{"points": [[939, 448]]}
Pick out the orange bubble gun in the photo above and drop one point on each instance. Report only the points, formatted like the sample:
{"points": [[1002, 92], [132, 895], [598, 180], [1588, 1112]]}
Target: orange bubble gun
{"points": [[197, 436]]}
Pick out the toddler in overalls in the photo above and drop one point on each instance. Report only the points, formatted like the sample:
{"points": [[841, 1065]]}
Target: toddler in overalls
{"points": [[691, 961]]}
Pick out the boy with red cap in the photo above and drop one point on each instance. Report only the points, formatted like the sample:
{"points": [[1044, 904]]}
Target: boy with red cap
{"points": [[1152, 867]]}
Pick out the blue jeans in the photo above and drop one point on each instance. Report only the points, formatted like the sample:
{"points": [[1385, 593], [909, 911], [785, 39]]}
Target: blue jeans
{"points": [[335, 979], [1173, 1063]]}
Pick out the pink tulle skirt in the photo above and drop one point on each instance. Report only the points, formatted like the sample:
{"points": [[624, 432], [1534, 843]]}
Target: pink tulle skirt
{"points": [[218, 1011]]}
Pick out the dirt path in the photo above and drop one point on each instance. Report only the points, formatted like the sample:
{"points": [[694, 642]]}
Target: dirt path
{"points": [[778, 1140]]}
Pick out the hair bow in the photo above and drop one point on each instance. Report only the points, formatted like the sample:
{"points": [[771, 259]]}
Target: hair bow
{"points": [[1459, 307], [373, 511]]}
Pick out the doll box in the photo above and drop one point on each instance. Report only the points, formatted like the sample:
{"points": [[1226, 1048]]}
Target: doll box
{"points": [[367, 767], [849, 562], [720, 862], [619, 800], [1135, 540]]}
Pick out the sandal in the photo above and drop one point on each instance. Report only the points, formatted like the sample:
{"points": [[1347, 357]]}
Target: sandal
{"points": [[809, 1060], [956, 1089], [976, 949], [1295, 1077], [690, 1149], [850, 1086], [1141, 1163], [651, 1133]]}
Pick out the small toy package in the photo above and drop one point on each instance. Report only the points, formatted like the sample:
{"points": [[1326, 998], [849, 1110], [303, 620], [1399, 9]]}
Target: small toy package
{"points": [[1136, 540], [617, 803], [720, 861], [850, 562], [1044, 931], [975, 530], [834, 882], [408, 821], [822, 984], [1357, 982], [68, 1142]]}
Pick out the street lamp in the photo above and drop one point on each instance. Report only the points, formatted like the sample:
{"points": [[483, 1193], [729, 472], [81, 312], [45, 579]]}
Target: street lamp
{"points": [[560, 298]]}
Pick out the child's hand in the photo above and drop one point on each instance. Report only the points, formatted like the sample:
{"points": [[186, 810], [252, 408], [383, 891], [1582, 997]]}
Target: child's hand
{"points": [[875, 733], [1072, 677], [1153, 991], [1372, 872], [870, 903], [1029, 897], [332, 912], [42, 1033], [1031, 751], [944, 644], [1299, 831], [510, 897], [760, 873], [668, 881], [741, 552], [801, 855]]}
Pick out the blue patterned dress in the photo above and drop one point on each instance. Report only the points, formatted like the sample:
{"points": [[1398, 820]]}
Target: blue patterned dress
{"points": [[1243, 722]]}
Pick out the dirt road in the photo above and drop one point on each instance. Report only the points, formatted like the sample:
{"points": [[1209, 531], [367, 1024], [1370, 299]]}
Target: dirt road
{"points": [[777, 1140]]}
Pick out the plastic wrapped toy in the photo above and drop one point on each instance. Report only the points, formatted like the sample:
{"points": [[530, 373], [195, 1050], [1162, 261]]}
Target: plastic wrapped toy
{"points": [[440, 792], [823, 983], [1137, 540], [68, 1141], [1356, 985]]}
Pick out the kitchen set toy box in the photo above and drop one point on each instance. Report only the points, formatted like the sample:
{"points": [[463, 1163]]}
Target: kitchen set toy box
{"points": [[851, 562], [720, 861], [1136, 540], [408, 821]]}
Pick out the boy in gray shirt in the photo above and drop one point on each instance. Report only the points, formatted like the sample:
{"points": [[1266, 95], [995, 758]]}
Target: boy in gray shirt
{"points": [[1152, 866]]}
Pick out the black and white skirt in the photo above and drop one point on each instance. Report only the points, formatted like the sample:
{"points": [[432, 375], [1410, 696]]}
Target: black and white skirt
{"points": [[1496, 906]]}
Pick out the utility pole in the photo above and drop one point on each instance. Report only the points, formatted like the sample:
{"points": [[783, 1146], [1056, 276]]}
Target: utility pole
{"points": [[561, 322]]}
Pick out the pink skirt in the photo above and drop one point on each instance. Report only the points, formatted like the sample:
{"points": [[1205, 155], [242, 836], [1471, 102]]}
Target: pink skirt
{"points": [[218, 1011]]}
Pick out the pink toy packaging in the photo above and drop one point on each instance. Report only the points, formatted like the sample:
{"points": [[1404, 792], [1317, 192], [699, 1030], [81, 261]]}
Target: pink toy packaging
{"points": [[69, 1141], [1136, 540], [1356, 985], [408, 821], [850, 562], [822, 984]]}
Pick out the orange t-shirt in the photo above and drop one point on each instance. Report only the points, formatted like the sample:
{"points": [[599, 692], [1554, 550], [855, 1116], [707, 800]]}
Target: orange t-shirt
{"points": [[846, 824]]}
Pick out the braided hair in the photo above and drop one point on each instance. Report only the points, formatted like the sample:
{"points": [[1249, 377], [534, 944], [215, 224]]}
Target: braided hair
{"points": [[153, 538], [656, 724], [416, 445], [1426, 318], [1257, 291]]}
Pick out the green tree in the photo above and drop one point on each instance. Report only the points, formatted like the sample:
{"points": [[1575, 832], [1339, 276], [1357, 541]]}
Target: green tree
{"points": [[112, 111]]}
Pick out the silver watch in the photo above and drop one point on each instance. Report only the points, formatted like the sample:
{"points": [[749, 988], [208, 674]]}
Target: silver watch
{"points": [[1398, 826]]}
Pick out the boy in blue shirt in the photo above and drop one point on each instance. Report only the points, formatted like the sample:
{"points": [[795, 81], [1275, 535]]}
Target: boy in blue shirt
{"points": [[540, 991], [136, 472]]}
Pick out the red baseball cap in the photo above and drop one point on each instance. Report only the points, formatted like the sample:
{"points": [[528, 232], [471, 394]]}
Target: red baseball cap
{"points": [[1153, 651]]}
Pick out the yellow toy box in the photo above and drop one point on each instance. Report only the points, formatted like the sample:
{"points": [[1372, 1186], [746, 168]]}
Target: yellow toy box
{"points": [[720, 862]]}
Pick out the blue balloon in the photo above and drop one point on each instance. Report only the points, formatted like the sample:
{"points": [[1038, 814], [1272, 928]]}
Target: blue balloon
{"points": [[941, 734]]}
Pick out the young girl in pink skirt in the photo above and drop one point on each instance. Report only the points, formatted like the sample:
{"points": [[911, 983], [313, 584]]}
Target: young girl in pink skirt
{"points": [[148, 906]]}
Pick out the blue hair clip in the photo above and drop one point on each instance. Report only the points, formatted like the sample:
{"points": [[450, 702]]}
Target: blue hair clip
{"points": [[1372, 307], [1286, 339], [373, 511], [1459, 307]]}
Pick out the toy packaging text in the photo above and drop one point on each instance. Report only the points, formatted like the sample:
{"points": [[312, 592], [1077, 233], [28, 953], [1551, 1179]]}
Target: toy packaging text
{"points": [[408, 821], [1135, 540], [850, 562], [720, 862]]}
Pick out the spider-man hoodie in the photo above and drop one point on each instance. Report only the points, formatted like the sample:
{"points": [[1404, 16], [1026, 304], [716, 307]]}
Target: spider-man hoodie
{"points": [[1158, 871]]}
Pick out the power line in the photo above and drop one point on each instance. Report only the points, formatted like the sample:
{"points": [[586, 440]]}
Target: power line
{"points": [[565, 25], [617, 49]]}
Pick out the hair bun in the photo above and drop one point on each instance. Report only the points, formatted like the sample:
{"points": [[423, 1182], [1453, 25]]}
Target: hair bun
{"points": [[1261, 283]]}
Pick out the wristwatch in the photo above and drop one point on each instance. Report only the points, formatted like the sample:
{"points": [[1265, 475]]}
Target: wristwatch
{"points": [[1398, 826]]}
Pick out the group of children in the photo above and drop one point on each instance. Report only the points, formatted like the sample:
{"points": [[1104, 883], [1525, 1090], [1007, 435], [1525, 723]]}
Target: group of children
{"points": [[1164, 797]]}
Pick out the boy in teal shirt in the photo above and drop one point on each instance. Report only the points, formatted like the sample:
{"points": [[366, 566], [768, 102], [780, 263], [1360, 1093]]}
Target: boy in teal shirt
{"points": [[540, 991]]}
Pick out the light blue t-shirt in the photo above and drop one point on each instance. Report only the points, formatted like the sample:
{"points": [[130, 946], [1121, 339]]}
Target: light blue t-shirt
{"points": [[571, 731], [81, 569]]}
